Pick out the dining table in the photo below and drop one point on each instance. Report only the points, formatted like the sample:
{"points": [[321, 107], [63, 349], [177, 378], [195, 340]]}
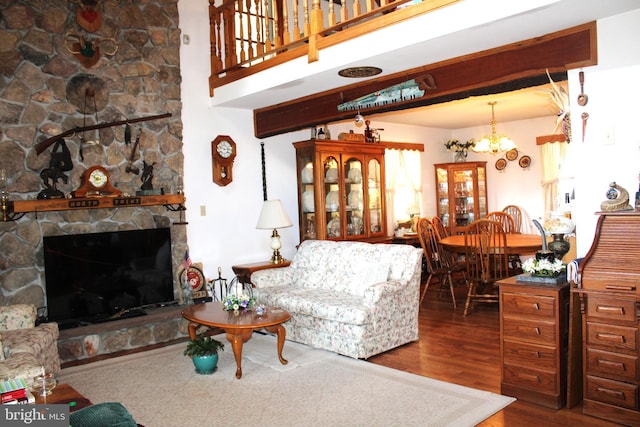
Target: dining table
{"points": [[516, 243]]}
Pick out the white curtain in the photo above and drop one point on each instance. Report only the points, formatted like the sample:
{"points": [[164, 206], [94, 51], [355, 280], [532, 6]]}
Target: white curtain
{"points": [[553, 169], [403, 184]]}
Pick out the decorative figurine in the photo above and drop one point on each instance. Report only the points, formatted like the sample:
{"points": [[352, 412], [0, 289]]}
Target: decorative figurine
{"points": [[147, 176], [617, 199], [59, 163]]}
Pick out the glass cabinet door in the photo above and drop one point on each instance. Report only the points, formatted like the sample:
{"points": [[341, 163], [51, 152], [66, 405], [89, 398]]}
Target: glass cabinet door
{"points": [[308, 223], [461, 194], [374, 196], [331, 197], [355, 198], [464, 197], [442, 194]]}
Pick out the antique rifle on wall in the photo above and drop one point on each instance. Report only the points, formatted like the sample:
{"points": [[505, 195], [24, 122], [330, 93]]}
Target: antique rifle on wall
{"points": [[43, 145]]}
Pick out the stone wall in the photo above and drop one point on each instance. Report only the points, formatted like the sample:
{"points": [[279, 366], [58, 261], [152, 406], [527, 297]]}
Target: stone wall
{"points": [[46, 90]]}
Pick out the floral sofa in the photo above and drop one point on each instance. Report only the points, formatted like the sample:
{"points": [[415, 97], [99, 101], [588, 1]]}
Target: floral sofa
{"points": [[354, 298], [25, 349]]}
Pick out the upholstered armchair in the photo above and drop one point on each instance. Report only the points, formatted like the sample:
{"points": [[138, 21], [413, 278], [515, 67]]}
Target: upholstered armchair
{"points": [[25, 349]]}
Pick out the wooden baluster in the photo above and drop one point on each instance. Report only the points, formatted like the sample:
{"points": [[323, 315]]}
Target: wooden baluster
{"points": [[259, 25], [267, 33], [307, 25], [332, 15], [370, 5], [344, 12], [239, 13], [296, 24], [251, 48], [356, 8], [214, 37], [286, 37], [277, 39]]}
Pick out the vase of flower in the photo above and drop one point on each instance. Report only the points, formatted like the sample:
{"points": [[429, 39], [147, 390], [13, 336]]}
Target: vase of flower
{"points": [[460, 157], [461, 149]]}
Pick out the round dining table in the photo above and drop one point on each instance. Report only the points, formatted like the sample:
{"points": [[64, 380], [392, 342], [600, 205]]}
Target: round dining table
{"points": [[516, 243]]}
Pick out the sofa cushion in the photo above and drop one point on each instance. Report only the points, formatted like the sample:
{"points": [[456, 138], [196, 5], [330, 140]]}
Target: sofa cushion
{"points": [[321, 303], [17, 316], [367, 273]]}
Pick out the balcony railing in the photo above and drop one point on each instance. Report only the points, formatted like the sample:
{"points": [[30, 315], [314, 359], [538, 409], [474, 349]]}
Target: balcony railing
{"points": [[248, 36]]}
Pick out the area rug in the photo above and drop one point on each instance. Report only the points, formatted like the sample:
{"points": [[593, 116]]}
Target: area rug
{"points": [[316, 388]]}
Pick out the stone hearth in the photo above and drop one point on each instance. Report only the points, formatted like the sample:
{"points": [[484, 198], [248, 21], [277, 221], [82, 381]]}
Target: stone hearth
{"points": [[160, 325]]}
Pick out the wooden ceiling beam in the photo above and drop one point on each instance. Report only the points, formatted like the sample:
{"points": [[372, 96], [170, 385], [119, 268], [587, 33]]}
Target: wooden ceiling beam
{"points": [[506, 68]]}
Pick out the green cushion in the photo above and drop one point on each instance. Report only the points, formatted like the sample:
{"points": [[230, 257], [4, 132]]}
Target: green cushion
{"points": [[108, 414]]}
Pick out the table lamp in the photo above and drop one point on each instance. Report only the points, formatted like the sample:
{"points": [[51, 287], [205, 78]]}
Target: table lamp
{"points": [[273, 216]]}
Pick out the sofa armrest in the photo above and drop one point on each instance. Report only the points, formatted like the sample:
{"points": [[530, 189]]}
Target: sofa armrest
{"points": [[374, 293], [282, 276]]}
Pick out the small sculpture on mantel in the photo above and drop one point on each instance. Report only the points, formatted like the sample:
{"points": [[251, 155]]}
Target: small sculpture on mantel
{"points": [[617, 199]]}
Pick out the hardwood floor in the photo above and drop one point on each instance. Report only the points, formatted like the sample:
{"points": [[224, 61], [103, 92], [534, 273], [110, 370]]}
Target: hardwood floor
{"points": [[466, 351]]}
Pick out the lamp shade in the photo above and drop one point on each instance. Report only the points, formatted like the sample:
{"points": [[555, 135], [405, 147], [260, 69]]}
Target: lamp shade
{"points": [[273, 216]]}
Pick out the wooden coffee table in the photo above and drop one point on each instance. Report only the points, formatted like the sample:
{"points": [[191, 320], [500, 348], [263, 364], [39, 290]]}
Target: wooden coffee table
{"points": [[64, 394], [238, 327]]}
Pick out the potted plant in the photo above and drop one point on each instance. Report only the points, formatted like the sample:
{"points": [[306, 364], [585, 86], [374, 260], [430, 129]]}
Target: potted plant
{"points": [[204, 353]]}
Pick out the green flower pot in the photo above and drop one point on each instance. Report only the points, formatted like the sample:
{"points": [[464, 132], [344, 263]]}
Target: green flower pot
{"points": [[205, 365]]}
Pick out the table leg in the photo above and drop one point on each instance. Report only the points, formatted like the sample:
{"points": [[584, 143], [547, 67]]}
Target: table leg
{"points": [[192, 330], [281, 332], [237, 338]]}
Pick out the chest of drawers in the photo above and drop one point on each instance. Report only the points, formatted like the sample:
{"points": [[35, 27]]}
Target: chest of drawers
{"points": [[534, 337], [610, 307]]}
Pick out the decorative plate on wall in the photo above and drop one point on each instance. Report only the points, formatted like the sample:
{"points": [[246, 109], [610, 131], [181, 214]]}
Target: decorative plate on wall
{"points": [[525, 161], [501, 164], [512, 154]]}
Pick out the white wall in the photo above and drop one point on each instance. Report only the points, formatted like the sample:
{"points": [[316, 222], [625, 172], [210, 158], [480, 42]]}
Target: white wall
{"points": [[611, 147], [226, 235]]}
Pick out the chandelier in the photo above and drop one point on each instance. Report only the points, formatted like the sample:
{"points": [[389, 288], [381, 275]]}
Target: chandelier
{"points": [[494, 143]]}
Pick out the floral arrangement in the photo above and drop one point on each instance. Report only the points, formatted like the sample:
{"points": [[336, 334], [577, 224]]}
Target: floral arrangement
{"points": [[238, 302], [459, 147], [543, 267]]}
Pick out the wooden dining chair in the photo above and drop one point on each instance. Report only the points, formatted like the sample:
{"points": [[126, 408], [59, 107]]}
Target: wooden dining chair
{"points": [[507, 222], [441, 229], [438, 261], [486, 259], [509, 225], [516, 214]]}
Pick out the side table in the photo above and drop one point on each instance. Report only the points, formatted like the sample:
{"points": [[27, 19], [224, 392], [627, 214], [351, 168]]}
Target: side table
{"points": [[244, 271], [64, 394]]}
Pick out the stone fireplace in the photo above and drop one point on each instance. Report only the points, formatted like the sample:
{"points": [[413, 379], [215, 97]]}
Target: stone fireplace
{"points": [[44, 91]]}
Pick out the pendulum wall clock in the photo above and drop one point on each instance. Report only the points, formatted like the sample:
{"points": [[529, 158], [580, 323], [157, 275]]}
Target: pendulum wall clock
{"points": [[223, 153]]}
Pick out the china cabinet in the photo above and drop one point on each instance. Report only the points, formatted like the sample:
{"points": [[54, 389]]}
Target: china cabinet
{"points": [[461, 193], [610, 307], [340, 190]]}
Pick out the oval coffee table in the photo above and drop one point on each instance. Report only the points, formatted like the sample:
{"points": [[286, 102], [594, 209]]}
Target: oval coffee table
{"points": [[238, 327]]}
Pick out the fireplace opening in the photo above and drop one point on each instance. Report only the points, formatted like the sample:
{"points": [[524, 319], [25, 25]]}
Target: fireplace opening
{"points": [[101, 277]]}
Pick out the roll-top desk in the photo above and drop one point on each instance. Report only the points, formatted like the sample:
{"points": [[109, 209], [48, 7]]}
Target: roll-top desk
{"points": [[610, 308]]}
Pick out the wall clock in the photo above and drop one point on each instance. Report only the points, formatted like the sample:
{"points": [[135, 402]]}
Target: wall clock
{"points": [[223, 153], [96, 182]]}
